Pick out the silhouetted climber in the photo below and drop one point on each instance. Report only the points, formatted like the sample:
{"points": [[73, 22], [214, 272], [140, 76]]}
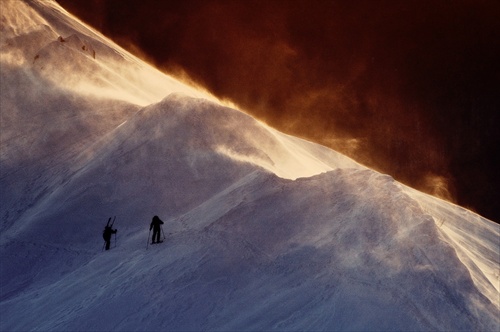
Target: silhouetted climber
{"points": [[108, 231], [156, 227]]}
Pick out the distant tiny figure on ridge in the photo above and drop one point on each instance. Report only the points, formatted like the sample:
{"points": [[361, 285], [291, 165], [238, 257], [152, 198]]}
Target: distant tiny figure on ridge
{"points": [[156, 227], [108, 231]]}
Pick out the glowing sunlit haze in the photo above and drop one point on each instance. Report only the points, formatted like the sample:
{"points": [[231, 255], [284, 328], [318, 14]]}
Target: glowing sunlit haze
{"points": [[406, 87], [262, 230]]}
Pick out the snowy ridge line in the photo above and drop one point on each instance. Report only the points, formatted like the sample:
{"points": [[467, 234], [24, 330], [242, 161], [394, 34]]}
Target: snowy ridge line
{"points": [[73, 25], [53, 12]]}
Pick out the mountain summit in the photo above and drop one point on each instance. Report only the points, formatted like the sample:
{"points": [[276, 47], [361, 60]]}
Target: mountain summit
{"points": [[262, 230]]}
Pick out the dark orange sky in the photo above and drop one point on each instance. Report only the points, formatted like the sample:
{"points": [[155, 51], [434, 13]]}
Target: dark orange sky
{"points": [[409, 88]]}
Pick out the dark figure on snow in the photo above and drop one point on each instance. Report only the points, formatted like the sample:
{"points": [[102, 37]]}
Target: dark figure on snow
{"points": [[106, 234], [156, 227]]}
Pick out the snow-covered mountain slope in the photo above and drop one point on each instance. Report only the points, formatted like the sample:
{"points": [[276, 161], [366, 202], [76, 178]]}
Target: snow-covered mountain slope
{"points": [[262, 230], [63, 50]]}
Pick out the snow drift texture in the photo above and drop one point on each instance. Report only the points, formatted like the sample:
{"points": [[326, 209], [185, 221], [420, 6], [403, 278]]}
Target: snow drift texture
{"points": [[263, 231]]}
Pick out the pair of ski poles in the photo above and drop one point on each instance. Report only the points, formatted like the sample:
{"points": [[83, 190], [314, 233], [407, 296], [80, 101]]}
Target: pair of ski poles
{"points": [[161, 228]]}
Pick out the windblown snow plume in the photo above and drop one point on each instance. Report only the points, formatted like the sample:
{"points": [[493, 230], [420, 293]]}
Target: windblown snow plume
{"points": [[263, 231]]}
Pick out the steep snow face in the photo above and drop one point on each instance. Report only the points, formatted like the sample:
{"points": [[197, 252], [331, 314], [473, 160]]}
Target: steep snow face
{"points": [[63, 87], [262, 230], [475, 239]]}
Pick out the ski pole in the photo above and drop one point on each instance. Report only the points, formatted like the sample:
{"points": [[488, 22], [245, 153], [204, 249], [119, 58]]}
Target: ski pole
{"points": [[147, 244], [161, 227]]}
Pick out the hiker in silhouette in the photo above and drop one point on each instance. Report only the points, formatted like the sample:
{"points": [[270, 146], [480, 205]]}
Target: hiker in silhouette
{"points": [[156, 227], [106, 234]]}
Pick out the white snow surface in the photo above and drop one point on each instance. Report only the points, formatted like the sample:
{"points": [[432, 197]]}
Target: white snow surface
{"points": [[263, 231]]}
